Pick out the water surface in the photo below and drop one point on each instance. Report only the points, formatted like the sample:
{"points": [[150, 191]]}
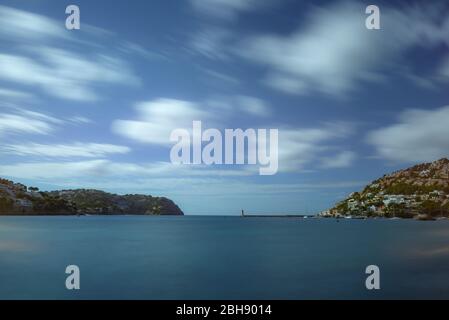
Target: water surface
{"points": [[150, 257]]}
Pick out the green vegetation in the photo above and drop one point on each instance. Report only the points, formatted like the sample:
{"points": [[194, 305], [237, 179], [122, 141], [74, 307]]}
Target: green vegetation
{"points": [[433, 208], [16, 198], [409, 189], [5, 204], [422, 190]]}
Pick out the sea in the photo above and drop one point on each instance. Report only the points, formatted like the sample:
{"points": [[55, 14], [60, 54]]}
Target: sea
{"points": [[222, 257]]}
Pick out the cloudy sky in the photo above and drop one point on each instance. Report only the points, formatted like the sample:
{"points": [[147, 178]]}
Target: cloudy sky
{"points": [[94, 107]]}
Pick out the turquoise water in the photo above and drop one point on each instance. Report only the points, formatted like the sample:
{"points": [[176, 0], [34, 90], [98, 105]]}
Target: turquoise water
{"points": [[141, 257]]}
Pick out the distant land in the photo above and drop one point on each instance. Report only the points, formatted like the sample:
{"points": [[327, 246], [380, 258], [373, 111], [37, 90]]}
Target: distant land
{"points": [[18, 199], [420, 192]]}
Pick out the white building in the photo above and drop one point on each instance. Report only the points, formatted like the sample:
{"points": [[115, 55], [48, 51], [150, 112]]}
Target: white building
{"points": [[393, 199]]}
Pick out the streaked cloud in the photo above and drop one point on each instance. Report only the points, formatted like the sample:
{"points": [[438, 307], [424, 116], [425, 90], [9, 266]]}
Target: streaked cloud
{"points": [[253, 106], [54, 171], [211, 42], [89, 150], [233, 105], [64, 74], [156, 119], [343, 159], [221, 77], [299, 148], [79, 120], [34, 57], [57, 171], [26, 122], [334, 53], [305, 148], [418, 135], [15, 23], [160, 176]]}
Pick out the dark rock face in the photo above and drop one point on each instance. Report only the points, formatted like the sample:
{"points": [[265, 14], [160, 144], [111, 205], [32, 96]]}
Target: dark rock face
{"points": [[17, 199]]}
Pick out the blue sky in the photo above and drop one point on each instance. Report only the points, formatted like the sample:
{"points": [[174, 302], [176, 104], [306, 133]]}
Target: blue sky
{"points": [[93, 107]]}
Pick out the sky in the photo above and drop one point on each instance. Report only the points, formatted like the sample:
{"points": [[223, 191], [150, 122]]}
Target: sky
{"points": [[94, 108]]}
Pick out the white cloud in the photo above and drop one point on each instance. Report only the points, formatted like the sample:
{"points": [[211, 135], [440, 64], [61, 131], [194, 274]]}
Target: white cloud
{"points": [[343, 159], [35, 58], [28, 27], [79, 120], [54, 171], [220, 76], [41, 116], [164, 178], [233, 193], [25, 121], [157, 119], [286, 83], [334, 52], [300, 148], [131, 48], [63, 150], [14, 123], [211, 43], [230, 105], [23, 24], [419, 135], [253, 106], [64, 74], [57, 172]]}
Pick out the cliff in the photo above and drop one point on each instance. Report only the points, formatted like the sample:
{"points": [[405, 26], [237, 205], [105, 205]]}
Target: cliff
{"points": [[18, 199]]}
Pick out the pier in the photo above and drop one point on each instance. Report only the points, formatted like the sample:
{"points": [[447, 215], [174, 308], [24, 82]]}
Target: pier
{"points": [[271, 215]]}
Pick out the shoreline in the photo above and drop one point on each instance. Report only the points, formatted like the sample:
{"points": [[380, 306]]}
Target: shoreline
{"points": [[273, 216], [90, 215]]}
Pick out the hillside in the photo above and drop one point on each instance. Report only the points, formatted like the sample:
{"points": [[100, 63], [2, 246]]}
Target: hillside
{"points": [[420, 190], [18, 199]]}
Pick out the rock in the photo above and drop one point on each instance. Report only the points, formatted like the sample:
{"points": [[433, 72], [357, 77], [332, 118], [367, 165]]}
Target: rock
{"points": [[424, 217]]}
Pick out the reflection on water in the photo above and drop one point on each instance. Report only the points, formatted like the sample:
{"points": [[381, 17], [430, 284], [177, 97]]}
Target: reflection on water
{"points": [[137, 257], [440, 251], [15, 246]]}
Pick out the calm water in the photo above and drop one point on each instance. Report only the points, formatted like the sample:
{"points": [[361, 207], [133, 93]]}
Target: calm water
{"points": [[136, 257]]}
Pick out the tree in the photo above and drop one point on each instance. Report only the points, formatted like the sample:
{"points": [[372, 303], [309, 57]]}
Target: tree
{"points": [[431, 208], [5, 204], [397, 210]]}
